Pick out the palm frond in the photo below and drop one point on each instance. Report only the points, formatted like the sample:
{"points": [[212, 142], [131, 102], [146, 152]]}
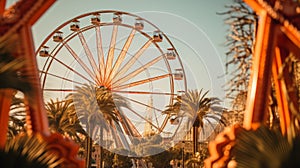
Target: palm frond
{"points": [[265, 148], [28, 152]]}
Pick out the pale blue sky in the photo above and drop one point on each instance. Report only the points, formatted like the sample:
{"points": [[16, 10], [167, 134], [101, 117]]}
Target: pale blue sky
{"points": [[197, 32]]}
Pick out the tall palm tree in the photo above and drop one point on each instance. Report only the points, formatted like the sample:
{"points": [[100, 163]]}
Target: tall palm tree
{"points": [[198, 108], [96, 108], [63, 119]]}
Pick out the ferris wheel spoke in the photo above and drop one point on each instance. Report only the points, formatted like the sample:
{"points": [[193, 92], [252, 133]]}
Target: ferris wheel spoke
{"points": [[111, 52], [137, 71], [121, 136], [156, 118], [100, 53], [73, 70], [132, 128], [133, 59], [122, 55], [88, 53], [116, 135], [60, 77], [58, 90], [143, 118], [83, 65], [140, 82], [128, 127], [143, 104], [141, 92]]}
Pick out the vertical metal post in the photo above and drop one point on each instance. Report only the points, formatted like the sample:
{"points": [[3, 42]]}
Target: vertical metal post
{"points": [[5, 101], [36, 105], [258, 94]]}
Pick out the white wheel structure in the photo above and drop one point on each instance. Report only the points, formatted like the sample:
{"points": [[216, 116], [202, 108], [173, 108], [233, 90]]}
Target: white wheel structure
{"points": [[122, 52]]}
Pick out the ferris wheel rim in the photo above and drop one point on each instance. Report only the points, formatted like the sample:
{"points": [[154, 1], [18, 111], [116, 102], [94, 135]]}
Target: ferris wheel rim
{"points": [[120, 12], [73, 34]]}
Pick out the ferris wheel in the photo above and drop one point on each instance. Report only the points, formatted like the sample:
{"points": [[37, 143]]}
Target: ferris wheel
{"points": [[122, 52]]}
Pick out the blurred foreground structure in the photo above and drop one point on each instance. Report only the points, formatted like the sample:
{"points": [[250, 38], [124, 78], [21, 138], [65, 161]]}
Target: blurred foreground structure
{"points": [[277, 39], [15, 31]]}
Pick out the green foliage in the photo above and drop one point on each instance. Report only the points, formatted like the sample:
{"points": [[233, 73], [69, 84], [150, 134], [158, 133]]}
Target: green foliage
{"points": [[63, 119], [198, 107], [96, 108], [17, 114]]}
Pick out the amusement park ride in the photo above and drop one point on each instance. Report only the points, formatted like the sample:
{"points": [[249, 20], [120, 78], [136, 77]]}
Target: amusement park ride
{"points": [[277, 36]]}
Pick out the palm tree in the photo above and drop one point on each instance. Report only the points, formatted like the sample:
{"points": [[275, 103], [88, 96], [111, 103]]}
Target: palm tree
{"points": [[16, 117], [197, 107], [63, 119], [96, 108]]}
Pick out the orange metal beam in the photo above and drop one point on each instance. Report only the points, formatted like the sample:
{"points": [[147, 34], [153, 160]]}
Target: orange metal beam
{"points": [[281, 89], [37, 111], [2, 6], [38, 13], [261, 72], [5, 101], [254, 5]]}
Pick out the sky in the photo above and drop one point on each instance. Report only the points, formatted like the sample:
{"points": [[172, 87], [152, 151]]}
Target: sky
{"points": [[196, 30], [193, 26]]}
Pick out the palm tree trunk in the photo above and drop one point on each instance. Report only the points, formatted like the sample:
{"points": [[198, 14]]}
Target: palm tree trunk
{"points": [[88, 148], [195, 139], [101, 148]]}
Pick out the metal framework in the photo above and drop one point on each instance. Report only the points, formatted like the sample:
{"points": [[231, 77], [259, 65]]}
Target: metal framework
{"points": [[15, 26], [278, 35]]}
